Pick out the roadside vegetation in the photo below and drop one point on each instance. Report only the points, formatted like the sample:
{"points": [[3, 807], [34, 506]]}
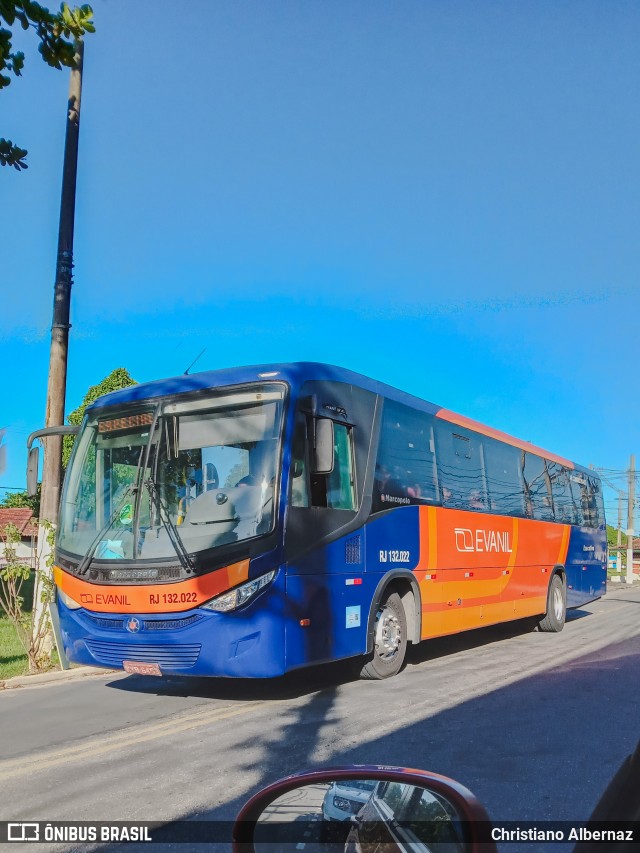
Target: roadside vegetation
{"points": [[25, 647], [22, 631], [13, 657]]}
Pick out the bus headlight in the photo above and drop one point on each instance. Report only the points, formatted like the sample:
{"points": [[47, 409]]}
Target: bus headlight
{"points": [[68, 602], [240, 595]]}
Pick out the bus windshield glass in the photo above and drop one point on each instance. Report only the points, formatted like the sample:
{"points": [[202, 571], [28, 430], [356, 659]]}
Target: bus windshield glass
{"points": [[178, 476]]}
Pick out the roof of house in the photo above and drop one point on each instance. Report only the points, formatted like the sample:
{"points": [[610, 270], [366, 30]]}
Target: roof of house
{"points": [[623, 548], [22, 518]]}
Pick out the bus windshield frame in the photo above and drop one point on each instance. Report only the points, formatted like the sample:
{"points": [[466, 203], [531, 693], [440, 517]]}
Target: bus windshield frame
{"points": [[163, 479]]}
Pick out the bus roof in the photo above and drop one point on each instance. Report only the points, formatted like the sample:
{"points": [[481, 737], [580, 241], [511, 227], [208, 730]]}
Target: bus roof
{"points": [[295, 374]]}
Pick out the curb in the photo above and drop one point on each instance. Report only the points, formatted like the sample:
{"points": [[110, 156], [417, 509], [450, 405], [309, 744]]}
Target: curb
{"points": [[55, 676]]}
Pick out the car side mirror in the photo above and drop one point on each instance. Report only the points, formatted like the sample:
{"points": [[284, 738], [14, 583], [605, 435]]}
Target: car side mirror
{"points": [[323, 451], [364, 807]]}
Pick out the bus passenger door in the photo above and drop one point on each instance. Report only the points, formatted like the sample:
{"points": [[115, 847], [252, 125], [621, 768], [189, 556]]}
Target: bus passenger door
{"points": [[324, 539]]}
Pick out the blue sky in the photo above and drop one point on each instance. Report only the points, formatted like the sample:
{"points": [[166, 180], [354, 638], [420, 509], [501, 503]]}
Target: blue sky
{"points": [[444, 196]]}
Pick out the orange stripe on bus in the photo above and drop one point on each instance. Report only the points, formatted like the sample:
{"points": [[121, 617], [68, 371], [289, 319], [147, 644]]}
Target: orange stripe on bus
{"points": [[514, 545], [487, 568], [432, 561], [564, 546], [461, 420], [151, 598]]}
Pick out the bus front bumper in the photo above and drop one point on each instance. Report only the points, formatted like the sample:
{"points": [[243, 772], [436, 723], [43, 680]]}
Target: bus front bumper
{"points": [[244, 644]]}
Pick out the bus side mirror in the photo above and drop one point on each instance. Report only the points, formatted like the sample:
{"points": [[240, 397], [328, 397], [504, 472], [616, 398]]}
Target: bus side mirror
{"points": [[323, 451], [32, 471], [32, 459]]}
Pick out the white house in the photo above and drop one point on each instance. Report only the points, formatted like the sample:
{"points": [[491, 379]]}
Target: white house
{"points": [[22, 519]]}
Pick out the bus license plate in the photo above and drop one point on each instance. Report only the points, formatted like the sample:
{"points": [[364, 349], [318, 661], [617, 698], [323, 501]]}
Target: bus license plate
{"points": [[139, 668]]}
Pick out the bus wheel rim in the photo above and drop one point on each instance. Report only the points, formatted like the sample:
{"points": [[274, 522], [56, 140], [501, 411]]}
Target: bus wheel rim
{"points": [[388, 634], [558, 605]]}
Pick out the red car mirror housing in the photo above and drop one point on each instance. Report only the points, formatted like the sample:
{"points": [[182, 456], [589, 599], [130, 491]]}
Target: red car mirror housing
{"points": [[470, 809]]}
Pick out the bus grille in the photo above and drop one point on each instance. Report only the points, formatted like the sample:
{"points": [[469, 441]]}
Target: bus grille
{"points": [[148, 624], [102, 622], [107, 575], [169, 624], [172, 657]]}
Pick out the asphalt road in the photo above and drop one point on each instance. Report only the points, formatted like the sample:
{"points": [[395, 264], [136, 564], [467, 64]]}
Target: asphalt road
{"points": [[534, 724]]}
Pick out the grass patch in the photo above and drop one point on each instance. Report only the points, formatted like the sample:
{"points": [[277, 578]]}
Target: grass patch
{"points": [[13, 660]]}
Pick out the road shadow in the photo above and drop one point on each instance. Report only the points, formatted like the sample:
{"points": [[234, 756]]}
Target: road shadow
{"points": [[452, 644], [572, 615], [311, 679], [505, 745], [623, 600], [290, 686]]}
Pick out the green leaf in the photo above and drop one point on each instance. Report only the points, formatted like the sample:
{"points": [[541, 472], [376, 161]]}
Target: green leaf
{"points": [[7, 11], [11, 155], [117, 379], [56, 32], [18, 63]]}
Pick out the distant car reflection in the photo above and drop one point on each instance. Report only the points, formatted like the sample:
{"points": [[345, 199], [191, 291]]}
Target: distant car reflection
{"points": [[345, 798], [405, 817]]}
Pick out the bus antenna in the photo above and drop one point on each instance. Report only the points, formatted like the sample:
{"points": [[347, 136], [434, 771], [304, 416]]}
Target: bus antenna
{"points": [[186, 373]]}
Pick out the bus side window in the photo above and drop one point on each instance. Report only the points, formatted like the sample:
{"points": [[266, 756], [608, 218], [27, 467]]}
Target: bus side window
{"points": [[405, 466], [504, 478], [341, 486], [597, 502], [580, 501], [537, 488], [587, 499], [299, 467], [562, 499], [337, 490], [460, 469]]}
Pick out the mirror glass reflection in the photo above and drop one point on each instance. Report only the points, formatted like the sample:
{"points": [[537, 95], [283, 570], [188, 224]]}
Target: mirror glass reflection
{"points": [[361, 816]]}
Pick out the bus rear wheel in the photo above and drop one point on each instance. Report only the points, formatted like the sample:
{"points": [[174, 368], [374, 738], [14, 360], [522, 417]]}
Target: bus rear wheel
{"points": [[556, 614], [390, 639]]}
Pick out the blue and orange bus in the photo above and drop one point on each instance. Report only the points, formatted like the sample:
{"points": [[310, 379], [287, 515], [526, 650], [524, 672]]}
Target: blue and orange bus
{"points": [[251, 521]]}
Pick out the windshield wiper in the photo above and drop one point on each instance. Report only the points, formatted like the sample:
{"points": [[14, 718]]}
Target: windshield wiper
{"points": [[85, 562], [169, 526]]}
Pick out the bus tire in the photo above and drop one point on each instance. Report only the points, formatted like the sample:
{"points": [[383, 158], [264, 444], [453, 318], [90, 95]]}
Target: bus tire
{"points": [[556, 614], [390, 639]]}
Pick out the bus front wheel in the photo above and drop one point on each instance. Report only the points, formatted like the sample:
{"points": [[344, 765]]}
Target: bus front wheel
{"points": [[556, 614], [390, 639]]}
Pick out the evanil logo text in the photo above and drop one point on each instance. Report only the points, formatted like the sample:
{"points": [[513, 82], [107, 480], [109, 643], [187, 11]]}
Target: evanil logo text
{"points": [[483, 540]]}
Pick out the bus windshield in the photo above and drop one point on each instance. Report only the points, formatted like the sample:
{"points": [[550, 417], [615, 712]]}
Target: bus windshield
{"points": [[184, 476]]}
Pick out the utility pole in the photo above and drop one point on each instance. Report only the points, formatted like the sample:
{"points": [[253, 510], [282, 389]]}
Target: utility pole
{"points": [[57, 385], [620, 498], [630, 507], [619, 542]]}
